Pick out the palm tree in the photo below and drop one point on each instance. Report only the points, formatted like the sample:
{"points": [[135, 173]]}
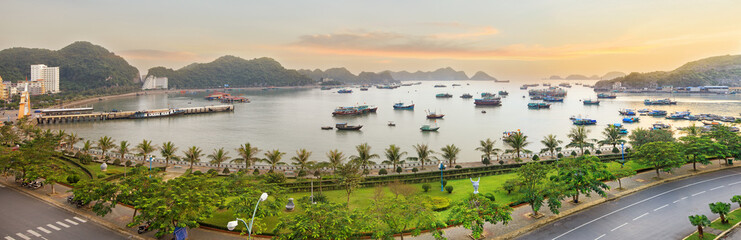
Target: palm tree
{"points": [[72, 139], [123, 149], [578, 136], [86, 146], [450, 153], [335, 158], [145, 148], [218, 157], [699, 221], [192, 155], [551, 144], [105, 143], [517, 143], [612, 136], [61, 136], [692, 130], [423, 153], [274, 158], [394, 155], [487, 148], [247, 154], [168, 152], [364, 156], [302, 158]]}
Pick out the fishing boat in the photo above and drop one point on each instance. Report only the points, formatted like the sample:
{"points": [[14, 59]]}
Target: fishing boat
{"points": [[366, 108], [645, 110], [456, 85], [591, 102], [433, 115], [536, 98], [392, 124], [487, 101], [443, 95], [487, 94], [538, 105], [466, 95], [678, 115], [584, 121], [428, 128], [345, 111], [155, 114], [401, 106], [553, 99], [344, 91], [656, 113], [546, 84], [621, 129], [659, 126], [631, 119], [327, 128], [326, 88], [607, 96], [523, 87], [710, 123], [406, 84], [344, 126], [440, 85], [503, 93], [692, 118], [659, 102], [363, 89], [501, 81], [627, 112]]}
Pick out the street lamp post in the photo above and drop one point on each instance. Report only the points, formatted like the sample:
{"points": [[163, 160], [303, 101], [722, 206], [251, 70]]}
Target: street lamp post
{"points": [[441, 167], [151, 158], [622, 153], [232, 224]]}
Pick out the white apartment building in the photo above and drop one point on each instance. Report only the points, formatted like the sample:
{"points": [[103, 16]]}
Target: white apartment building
{"points": [[48, 75], [153, 82]]}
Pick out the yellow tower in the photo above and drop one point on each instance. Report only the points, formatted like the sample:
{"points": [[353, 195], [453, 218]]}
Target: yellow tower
{"points": [[25, 105]]}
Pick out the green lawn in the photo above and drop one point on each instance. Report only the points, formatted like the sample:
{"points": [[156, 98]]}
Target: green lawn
{"points": [[733, 218], [76, 170], [706, 236]]}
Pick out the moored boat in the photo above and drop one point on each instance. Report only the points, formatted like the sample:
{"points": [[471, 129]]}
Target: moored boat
{"points": [[627, 112], [443, 95], [428, 128], [503, 93], [487, 101], [456, 85], [344, 126], [466, 95], [440, 85], [659, 102], [344, 91], [591, 102], [678, 115], [402, 106], [607, 96], [656, 113], [553, 99], [433, 115], [155, 114], [659, 126], [363, 89], [538, 105], [327, 128], [631, 119], [584, 121]]}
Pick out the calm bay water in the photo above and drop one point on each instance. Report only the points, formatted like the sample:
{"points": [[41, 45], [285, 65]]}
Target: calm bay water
{"points": [[290, 119]]}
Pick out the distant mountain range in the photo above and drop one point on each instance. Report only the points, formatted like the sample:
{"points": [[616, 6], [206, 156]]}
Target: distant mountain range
{"points": [[343, 75], [720, 70], [607, 76]]}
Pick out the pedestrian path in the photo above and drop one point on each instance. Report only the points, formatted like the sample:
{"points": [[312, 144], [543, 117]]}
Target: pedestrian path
{"points": [[44, 230]]}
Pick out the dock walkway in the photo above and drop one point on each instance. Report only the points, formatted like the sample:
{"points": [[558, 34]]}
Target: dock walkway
{"points": [[87, 117]]}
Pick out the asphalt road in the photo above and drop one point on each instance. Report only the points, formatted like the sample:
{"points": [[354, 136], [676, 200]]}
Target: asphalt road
{"points": [[659, 212], [23, 217]]}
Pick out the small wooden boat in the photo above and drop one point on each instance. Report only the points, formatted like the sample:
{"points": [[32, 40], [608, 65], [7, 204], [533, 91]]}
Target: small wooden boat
{"points": [[591, 102], [466, 95], [344, 126], [327, 128], [392, 124], [401, 106], [432, 115], [443, 95], [428, 128]]}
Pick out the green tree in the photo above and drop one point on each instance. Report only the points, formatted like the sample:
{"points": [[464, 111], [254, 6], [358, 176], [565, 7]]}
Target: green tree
{"points": [[640, 136], [104, 194], [551, 144], [692, 130], [450, 154], [349, 177], [736, 199], [535, 188], [247, 155], [192, 155], [723, 135], [364, 156], [313, 223], [582, 175], [423, 153], [72, 139], [721, 209], [475, 210], [105, 143], [578, 136], [246, 192], [302, 158], [86, 146], [699, 221], [698, 149], [612, 136], [168, 151], [218, 157], [336, 158], [517, 143], [621, 173], [659, 155], [394, 155], [486, 147], [145, 148], [274, 158], [395, 215]]}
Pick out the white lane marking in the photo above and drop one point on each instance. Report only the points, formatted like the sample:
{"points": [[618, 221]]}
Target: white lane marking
{"points": [[716, 188], [70, 221], [43, 230], [619, 227], [9, 238], [32, 232], [657, 209], [53, 227], [79, 219], [679, 199], [698, 193], [600, 236], [23, 236], [642, 215], [639, 202], [62, 224], [734, 183]]}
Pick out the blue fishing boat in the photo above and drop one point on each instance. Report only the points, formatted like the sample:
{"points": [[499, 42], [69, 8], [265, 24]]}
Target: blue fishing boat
{"points": [[402, 106], [631, 119], [656, 113], [621, 129], [538, 105], [591, 102], [659, 102], [660, 126], [627, 112], [584, 121], [486, 94], [466, 95], [487, 101], [155, 114], [428, 128], [607, 96], [503, 93], [443, 95], [553, 99], [678, 115], [344, 91]]}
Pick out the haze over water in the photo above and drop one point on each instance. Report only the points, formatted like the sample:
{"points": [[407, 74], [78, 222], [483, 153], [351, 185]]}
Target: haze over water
{"points": [[290, 119]]}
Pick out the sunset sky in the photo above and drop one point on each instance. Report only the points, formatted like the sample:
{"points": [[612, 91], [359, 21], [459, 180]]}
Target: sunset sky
{"points": [[507, 39]]}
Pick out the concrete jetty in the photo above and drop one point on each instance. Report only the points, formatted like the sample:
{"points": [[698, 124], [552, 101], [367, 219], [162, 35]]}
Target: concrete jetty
{"points": [[88, 117]]}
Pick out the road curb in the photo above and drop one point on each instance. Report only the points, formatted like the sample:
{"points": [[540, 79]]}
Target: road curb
{"points": [[91, 217], [540, 223]]}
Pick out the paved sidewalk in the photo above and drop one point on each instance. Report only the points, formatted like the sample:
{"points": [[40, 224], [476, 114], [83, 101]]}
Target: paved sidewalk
{"points": [[522, 222]]}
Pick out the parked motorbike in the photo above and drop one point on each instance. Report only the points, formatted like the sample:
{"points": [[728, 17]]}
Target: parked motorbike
{"points": [[144, 228]]}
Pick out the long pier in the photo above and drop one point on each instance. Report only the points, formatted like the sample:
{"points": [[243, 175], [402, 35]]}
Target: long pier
{"points": [[89, 117]]}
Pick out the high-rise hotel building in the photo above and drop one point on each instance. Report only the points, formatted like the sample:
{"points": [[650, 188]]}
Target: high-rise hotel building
{"points": [[48, 75]]}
